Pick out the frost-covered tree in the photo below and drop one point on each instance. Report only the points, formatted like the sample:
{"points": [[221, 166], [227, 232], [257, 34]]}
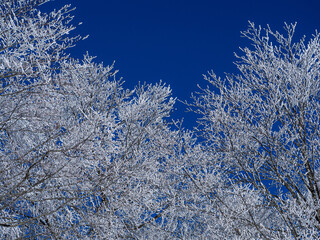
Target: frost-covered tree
{"points": [[79, 154], [261, 130], [81, 157]]}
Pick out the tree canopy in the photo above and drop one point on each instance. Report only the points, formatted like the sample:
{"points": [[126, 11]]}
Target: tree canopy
{"points": [[82, 157]]}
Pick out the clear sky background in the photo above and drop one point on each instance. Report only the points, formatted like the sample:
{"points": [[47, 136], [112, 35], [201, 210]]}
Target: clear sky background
{"points": [[177, 41]]}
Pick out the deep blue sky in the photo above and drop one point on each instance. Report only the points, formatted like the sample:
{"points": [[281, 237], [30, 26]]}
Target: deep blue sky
{"points": [[178, 41]]}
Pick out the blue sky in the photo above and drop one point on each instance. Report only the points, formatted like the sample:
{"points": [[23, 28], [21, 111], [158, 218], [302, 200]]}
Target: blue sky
{"points": [[177, 41]]}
